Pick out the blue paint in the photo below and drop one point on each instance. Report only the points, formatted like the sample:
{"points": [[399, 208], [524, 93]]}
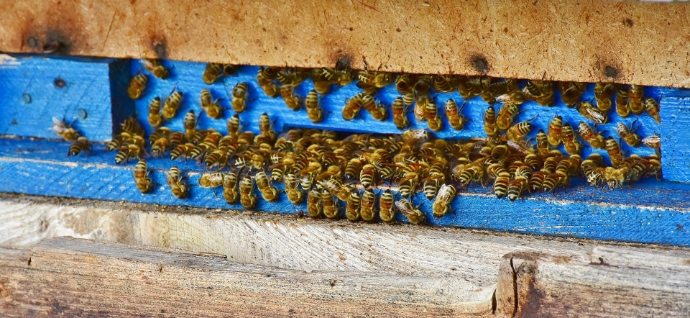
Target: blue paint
{"points": [[675, 138], [652, 212], [25, 78]]}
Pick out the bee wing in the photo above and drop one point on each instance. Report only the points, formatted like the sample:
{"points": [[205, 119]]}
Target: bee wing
{"points": [[443, 193]]}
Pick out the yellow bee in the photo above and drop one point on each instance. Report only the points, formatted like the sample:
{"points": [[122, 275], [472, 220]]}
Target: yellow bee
{"points": [[405, 85], [368, 211], [635, 93], [445, 196], [518, 131], [506, 115], [592, 113], [269, 193], [141, 177], [411, 212], [211, 107], [330, 205], [240, 94], [265, 77], [571, 92], [79, 145], [172, 104], [431, 115], [154, 110], [652, 108], [354, 104], [399, 110], [603, 93], [313, 106], [212, 73], [247, 197], [230, 193], [517, 187], [386, 211], [233, 125], [322, 84], [614, 152], [455, 119], [66, 132], [352, 206], [314, 203], [445, 83], [591, 136], [137, 86], [179, 189], [294, 194], [132, 127], [291, 100], [190, 125], [628, 134], [652, 141], [155, 67], [622, 108], [490, 121], [211, 180]]}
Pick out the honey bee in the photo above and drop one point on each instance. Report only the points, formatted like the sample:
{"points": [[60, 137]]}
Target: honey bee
{"points": [[266, 126], [375, 79], [603, 92], [336, 188], [66, 132], [367, 176], [321, 82], [592, 169], [240, 94], [635, 93], [247, 197], [79, 145], [501, 182], [330, 205], [338, 76], [614, 152], [141, 177], [652, 141], [386, 212], [431, 115], [132, 127], [160, 146], [445, 196], [592, 113], [490, 121], [517, 187], [591, 136], [292, 76], [265, 77], [455, 119], [137, 86], [420, 107], [571, 92], [537, 180], [352, 206], [230, 193], [182, 150], [211, 107], [268, 192], [542, 91], [291, 100], [155, 118], [652, 108], [294, 194], [615, 177], [314, 203], [518, 131], [399, 110], [405, 85], [572, 146], [445, 83], [506, 115], [553, 181], [313, 106], [629, 135], [622, 108], [211, 180], [117, 141], [413, 214], [172, 103], [555, 128], [190, 125], [212, 73], [229, 69], [155, 67], [368, 211], [178, 189], [354, 104]]}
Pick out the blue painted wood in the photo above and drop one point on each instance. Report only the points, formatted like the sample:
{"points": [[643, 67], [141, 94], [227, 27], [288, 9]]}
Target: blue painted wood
{"points": [[675, 140], [30, 98], [652, 212]]}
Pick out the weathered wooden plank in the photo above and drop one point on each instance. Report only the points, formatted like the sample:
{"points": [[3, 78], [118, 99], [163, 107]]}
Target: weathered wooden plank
{"points": [[587, 41], [652, 212], [77, 278], [33, 90]]}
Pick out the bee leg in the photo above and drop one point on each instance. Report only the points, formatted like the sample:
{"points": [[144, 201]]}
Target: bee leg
{"points": [[214, 193]]}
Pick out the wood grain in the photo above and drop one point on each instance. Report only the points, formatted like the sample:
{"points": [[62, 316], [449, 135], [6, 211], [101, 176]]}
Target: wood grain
{"points": [[586, 41]]}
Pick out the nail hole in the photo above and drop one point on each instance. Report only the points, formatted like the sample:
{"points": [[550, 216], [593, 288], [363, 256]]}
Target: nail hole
{"points": [[26, 98], [610, 72], [480, 64], [59, 83]]}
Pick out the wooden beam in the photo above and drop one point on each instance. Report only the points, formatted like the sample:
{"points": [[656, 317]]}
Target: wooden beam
{"points": [[586, 41]]}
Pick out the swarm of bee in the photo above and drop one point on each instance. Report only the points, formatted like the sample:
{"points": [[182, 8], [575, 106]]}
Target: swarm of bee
{"points": [[377, 175]]}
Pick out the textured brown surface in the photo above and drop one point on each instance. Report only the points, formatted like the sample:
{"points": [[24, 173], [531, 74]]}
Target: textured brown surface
{"points": [[630, 42]]}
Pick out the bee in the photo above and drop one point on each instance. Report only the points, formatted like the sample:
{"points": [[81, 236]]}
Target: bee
{"points": [[506, 115], [179, 189], [337, 76], [555, 128], [386, 212], [353, 168], [553, 181], [375, 79], [294, 194], [137, 86], [652, 108], [314, 203], [132, 127], [79, 145], [603, 92], [537, 180], [211, 107], [182, 150], [313, 106], [159, 147], [172, 103], [614, 152], [288, 94], [411, 212], [572, 146], [247, 197], [542, 91], [266, 126], [230, 183], [629, 135], [518, 131], [265, 76], [490, 121], [116, 142], [635, 93], [591, 136], [141, 177], [211, 180], [66, 132], [154, 109], [652, 141], [368, 211], [571, 92], [190, 125], [321, 83], [517, 187], [455, 120], [352, 206], [240, 94], [330, 205], [543, 143], [470, 173], [445, 196], [212, 73], [501, 182], [420, 108], [445, 83], [229, 69], [615, 177], [367, 176], [268, 192], [592, 113], [431, 115], [354, 104], [405, 85], [155, 67], [292, 76], [622, 108], [336, 188], [399, 110]]}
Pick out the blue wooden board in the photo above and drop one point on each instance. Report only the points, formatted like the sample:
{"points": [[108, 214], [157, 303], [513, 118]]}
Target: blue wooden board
{"points": [[652, 212], [675, 139], [30, 98]]}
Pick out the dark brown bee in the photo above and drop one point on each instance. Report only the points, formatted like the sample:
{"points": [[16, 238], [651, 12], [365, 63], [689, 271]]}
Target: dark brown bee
{"points": [[240, 94], [592, 113], [247, 197], [265, 76], [155, 67], [386, 211], [137, 86], [230, 183], [398, 110], [490, 122], [66, 132], [210, 106], [635, 93], [79, 145], [622, 108], [594, 139], [177, 187], [652, 108], [330, 205], [603, 92], [446, 194], [229, 69], [629, 135], [368, 211], [571, 92], [352, 206], [413, 214], [314, 202], [455, 119], [212, 73], [172, 104], [154, 109], [313, 106], [141, 177]]}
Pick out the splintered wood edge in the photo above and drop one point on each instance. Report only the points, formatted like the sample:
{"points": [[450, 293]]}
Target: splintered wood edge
{"points": [[584, 41]]}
